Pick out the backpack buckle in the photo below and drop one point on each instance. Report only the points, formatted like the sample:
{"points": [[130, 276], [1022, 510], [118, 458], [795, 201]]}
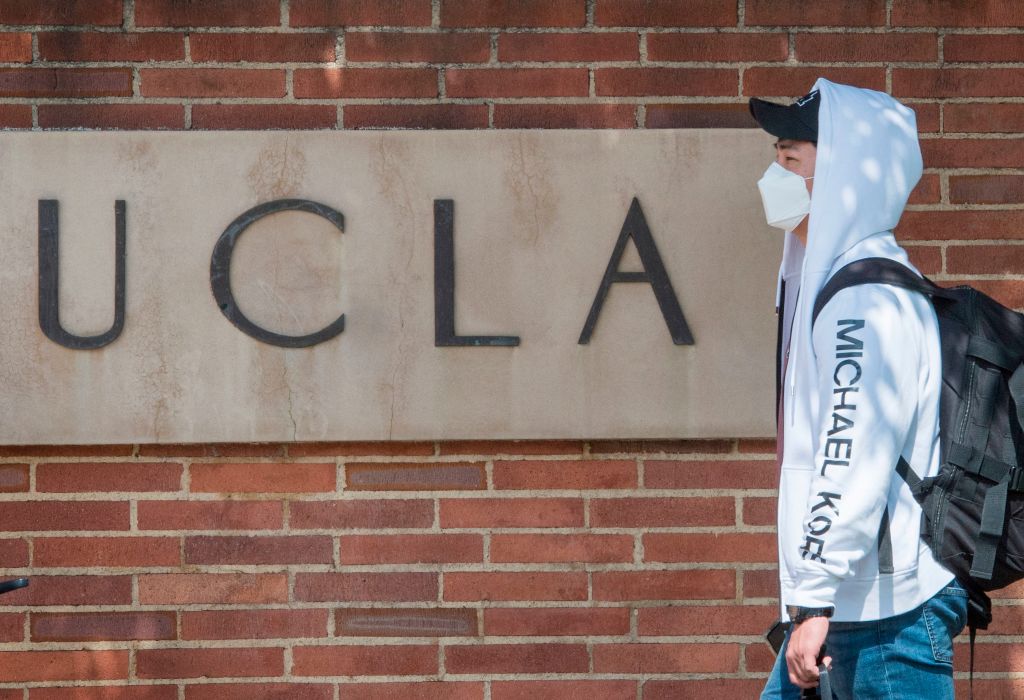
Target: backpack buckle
{"points": [[1017, 479]]}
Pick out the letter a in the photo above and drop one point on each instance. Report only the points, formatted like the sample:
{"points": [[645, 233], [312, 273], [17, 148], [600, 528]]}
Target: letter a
{"points": [[654, 274]]}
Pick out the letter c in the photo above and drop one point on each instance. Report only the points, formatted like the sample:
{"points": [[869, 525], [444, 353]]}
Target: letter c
{"points": [[847, 363], [220, 273]]}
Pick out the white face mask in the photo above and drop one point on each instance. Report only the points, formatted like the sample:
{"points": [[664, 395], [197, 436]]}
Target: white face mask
{"points": [[784, 196]]}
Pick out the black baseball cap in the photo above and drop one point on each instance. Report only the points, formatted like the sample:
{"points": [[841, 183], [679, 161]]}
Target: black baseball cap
{"points": [[798, 121]]}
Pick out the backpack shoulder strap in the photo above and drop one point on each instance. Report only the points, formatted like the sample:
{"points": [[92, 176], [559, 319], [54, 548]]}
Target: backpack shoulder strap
{"points": [[875, 271]]}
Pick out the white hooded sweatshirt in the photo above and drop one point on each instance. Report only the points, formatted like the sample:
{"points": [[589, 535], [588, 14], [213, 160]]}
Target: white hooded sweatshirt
{"points": [[861, 387]]}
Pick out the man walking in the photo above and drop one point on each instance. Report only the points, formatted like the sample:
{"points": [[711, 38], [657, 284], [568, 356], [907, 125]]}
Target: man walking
{"points": [[859, 388]]}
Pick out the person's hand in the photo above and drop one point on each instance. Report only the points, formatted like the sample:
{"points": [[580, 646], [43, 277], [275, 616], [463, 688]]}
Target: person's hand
{"points": [[805, 642]]}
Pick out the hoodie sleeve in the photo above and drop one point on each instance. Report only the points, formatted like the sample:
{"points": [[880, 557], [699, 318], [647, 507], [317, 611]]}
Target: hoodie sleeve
{"points": [[867, 350]]}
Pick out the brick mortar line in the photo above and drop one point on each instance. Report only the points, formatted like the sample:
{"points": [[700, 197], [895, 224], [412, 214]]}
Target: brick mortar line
{"points": [[966, 244], [982, 65], [541, 99], [641, 678], [972, 135], [751, 30], [441, 568], [489, 474], [582, 101], [128, 19], [981, 99], [288, 663], [492, 63], [972, 277], [396, 459], [340, 49], [133, 657], [665, 638], [740, 525], [187, 567], [328, 497], [341, 473], [283, 13], [342, 459], [369, 677], [186, 479], [492, 46], [332, 624], [974, 172], [1014, 206], [25, 28], [453, 640], [111, 497], [782, 64], [445, 605], [290, 643], [441, 586], [366, 494], [489, 102], [150, 493], [951, 136], [136, 595], [337, 683]]}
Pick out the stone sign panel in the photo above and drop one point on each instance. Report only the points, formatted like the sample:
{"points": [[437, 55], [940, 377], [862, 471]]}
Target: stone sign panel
{"points": [[274, 286]]}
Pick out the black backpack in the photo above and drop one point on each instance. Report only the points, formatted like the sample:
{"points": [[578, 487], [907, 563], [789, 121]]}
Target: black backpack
{"points": [[973, 509]]}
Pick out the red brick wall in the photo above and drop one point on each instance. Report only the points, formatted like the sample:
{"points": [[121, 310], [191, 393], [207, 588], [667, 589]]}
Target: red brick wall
{"points": [[497, 571]]}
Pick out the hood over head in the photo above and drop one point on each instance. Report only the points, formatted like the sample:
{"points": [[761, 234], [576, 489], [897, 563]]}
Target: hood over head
{"points": [[868, 162]]}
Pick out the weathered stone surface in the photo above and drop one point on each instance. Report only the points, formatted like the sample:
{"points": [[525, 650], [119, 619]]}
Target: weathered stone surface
{"points": [[537, 214]]}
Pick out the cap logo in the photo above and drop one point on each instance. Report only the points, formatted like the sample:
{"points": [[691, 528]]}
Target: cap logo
{"points": [[807, 98]]}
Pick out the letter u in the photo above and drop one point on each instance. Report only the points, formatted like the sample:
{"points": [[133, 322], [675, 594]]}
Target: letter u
{"points": [[49, 280]]}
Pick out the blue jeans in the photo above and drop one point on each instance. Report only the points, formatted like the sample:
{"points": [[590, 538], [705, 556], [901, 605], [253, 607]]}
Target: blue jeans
{"points": [[906, 657]]}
